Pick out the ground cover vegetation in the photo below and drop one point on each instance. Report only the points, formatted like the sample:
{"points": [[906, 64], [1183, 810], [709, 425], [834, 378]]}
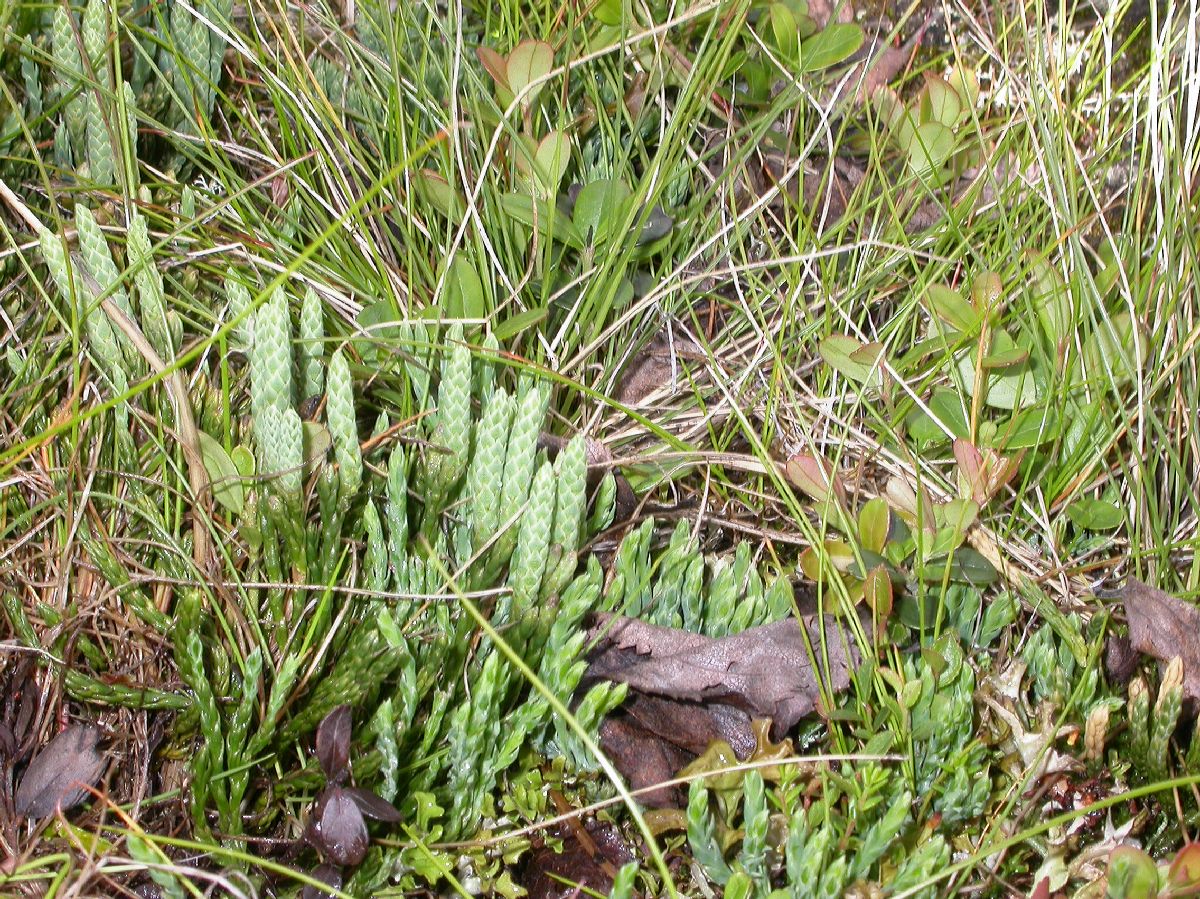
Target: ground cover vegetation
{"points": [[728, 448]]}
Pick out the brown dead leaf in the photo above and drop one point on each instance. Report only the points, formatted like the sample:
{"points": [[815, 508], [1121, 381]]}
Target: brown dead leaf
{"points": [[689, 693], [587, 855], [60, 776], [1164, 626], [692, 726], [658, 365], [644, 758], [765, 671]]}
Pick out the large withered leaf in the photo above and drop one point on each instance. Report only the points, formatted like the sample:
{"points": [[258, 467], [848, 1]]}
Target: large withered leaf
{"points": [[767, 671], [333, 743], [59, 776], [1164, 626], [692, 725]]}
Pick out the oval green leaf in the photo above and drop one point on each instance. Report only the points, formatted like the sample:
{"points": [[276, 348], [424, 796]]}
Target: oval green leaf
{"points": [[1095, 514], [227, 489], [829, 47]]}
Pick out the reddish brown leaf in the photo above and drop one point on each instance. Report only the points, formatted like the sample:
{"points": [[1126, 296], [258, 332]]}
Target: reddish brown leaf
{"points": [[589, 856], [659, 365], [691, 725], [333, 743], [645, 760], [59, 776], [822, 11], [816, 477], [328, 875], [1164, 627]]}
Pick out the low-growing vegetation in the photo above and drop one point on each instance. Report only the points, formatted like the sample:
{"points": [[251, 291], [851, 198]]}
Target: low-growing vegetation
{"points": [[626, 448]]}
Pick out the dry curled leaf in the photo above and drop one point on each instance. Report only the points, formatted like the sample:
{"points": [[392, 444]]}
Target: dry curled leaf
{"points": [[1165, 627], [766, 671], [586, 855], [60, 776], [658, 365]]}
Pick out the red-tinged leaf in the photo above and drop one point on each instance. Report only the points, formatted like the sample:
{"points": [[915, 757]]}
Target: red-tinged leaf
{"points": [[815, 477], [1183, 877], [1042, 890], [528, 61], [333, 743], [970, 468], [373, 806], [337, 829], [60, 775], [494, 64], [986, 291]]}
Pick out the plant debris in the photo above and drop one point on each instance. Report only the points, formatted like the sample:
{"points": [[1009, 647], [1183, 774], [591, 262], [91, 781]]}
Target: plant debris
{"points": [[588, 858], [768, 670], [1164, 626], [60, 776], [688, 690]]}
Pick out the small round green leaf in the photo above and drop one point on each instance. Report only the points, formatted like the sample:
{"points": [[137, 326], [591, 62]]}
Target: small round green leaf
{"points": [[528, 61]]}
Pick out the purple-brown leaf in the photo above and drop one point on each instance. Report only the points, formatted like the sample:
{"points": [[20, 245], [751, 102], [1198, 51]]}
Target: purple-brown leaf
{"points": [[333, 743], [60, 775], [373, 806], [1164, 627], [337, 829], [328, 875]]}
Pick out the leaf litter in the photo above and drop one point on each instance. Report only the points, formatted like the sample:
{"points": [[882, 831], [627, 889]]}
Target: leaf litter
{"points": [[688, 690], [1164, 627], [61, 775]]}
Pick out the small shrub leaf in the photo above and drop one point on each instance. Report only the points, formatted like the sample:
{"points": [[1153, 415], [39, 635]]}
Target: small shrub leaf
{"points": [[333, 743]]}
